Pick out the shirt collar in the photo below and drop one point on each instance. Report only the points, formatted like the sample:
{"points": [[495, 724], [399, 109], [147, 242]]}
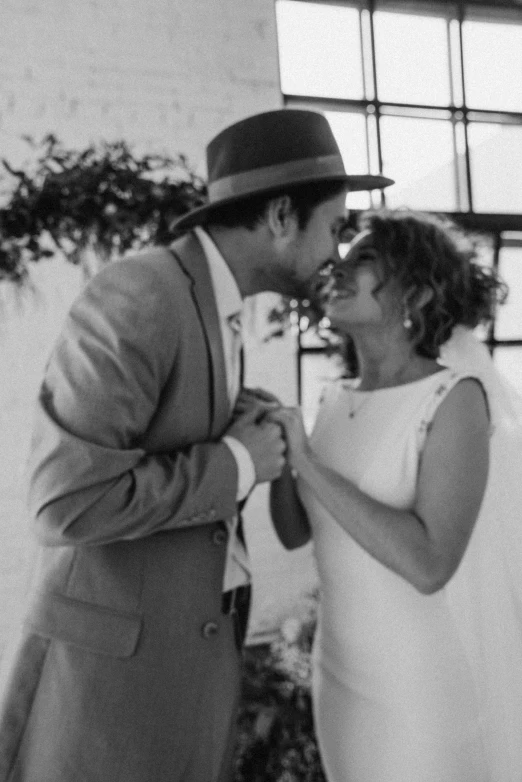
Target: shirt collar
{"points": [[228, 297]]}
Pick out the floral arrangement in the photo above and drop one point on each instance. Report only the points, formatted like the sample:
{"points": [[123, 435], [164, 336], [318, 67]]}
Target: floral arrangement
{"points": [[276, 735], [103, 198]]}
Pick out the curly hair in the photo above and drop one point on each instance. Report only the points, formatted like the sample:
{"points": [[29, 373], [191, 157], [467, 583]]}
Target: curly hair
{"points": [[421, 251]]}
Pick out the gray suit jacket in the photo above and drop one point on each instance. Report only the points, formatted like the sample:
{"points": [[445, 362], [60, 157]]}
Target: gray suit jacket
{"points": [[128, 487]]}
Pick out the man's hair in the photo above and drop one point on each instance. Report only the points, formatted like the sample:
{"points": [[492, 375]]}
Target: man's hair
{"points": [[423, 251], [249, 212]]}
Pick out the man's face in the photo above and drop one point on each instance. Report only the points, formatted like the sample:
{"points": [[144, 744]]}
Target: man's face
{"points": [[314, 245]]}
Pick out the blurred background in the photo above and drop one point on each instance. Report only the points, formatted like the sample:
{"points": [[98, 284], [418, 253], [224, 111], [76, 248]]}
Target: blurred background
{"points": [[428, 93]]}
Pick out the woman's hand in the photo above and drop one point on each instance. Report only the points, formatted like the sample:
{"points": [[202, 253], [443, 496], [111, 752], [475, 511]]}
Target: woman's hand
{"points": [[291, 421], [250, 399]]}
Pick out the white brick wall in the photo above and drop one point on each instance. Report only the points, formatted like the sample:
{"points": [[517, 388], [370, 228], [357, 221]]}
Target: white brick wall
{"points": [[165, 75]]}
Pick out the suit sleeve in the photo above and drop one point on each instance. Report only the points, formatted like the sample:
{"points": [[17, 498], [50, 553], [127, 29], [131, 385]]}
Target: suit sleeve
{"points": [[89, 481]]}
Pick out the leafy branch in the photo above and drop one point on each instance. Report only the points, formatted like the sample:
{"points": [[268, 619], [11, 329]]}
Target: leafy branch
{"points": [[103, 197]]}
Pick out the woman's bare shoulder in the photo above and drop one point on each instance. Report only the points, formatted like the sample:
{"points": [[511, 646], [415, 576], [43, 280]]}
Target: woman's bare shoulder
{"points": [[465, 403]]}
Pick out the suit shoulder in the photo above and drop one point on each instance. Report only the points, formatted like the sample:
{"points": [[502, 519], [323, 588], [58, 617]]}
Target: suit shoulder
{"points": [[153, 257], [145, 292], [155, 268]]}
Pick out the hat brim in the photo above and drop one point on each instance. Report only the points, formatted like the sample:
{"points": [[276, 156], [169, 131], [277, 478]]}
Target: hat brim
{"points": [[354, 183]]}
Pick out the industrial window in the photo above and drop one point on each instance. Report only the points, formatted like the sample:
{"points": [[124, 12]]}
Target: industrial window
{"points": [[430, 94]]}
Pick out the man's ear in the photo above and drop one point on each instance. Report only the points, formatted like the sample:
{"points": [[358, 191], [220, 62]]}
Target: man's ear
{"points": [[280, 216]]}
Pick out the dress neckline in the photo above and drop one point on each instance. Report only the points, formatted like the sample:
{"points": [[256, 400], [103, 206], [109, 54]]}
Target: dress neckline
{"points": [[348, 386]]}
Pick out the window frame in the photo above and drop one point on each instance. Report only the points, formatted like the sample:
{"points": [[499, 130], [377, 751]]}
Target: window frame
{"points": [[458, 113]]}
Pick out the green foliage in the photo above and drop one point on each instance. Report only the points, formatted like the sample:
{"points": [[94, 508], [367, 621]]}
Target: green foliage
{"points": [[104, 197], [276, 734], [306, 320]]}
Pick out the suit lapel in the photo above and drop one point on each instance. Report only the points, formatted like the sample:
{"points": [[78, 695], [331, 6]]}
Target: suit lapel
{"points": [[192, 258]]}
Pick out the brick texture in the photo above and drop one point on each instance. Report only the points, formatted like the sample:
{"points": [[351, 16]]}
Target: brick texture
{"points": [[164, 74]]}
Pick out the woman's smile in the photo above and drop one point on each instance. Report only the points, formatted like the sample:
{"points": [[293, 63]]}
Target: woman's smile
{"points": [[341, 293]]}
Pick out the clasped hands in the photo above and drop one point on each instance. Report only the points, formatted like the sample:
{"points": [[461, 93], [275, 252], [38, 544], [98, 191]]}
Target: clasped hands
{"points": [[273, 434]]}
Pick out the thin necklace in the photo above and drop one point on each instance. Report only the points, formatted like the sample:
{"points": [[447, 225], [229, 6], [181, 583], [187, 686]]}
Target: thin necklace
{"points": [[354, 409]]}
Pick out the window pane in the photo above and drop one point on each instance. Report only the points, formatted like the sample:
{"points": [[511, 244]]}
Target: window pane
{"points": [[319, 50], [316, 370], [496, 167], [412, 59], [350, 133], [312, 339], [509, 319], [485, 248], [418, 155], [509, 362], [492, 58]]}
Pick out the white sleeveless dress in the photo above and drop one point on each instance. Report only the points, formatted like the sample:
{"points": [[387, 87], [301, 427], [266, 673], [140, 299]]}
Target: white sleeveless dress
{"points": [[395, 694]]}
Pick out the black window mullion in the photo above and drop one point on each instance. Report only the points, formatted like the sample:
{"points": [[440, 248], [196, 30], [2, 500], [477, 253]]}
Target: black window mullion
{"points": [[299, 357], [376, 103], [491, 341], [492, 223], [451, 76], [363, 56], [465, 120]]}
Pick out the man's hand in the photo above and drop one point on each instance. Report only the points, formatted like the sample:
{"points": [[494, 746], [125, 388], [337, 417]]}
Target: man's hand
{"points": [[264, 442]]}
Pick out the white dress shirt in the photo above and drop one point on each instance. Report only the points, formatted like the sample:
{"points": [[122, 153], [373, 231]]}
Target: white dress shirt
{"points": [[229, 303]]}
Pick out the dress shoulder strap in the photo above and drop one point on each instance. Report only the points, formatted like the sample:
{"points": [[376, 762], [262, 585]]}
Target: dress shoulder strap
{"points": [[448, 379]]}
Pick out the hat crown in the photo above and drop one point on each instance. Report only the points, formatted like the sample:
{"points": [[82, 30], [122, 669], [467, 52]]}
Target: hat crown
{"points": [[272, 138], [271, 151]]}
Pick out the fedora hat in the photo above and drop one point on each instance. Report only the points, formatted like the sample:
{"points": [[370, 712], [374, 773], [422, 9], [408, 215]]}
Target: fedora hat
{"points": [[270, 151]]}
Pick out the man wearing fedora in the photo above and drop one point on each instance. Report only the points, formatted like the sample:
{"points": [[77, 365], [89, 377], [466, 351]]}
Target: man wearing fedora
{"points": [[127, 668]]}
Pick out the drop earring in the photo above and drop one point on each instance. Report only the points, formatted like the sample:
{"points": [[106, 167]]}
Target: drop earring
{"points": [[407, 322]]}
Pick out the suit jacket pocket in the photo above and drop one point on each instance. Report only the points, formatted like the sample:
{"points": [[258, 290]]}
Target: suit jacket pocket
{"points": [[87, 625]]}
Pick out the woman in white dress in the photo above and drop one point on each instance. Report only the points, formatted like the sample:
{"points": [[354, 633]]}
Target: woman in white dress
{"points": [[418, 651]]}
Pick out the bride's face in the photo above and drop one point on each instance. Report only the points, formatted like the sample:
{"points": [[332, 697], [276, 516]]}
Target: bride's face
{"points": [[356, 295]]}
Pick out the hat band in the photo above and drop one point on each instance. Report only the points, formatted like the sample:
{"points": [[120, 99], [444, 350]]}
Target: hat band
{"points": [[269, 177]]}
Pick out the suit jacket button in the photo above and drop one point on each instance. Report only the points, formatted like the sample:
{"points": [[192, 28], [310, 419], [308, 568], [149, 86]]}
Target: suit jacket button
{"points": [[209, 630], [219, 537]]}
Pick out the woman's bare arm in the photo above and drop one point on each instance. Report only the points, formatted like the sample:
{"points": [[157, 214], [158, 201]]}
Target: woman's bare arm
{"points": [[288, 514], [426, 544]]}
